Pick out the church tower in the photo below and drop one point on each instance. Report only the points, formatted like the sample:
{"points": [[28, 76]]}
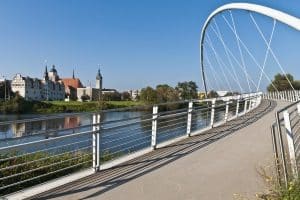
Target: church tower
{"points": [[99, 80], [46, 77], [53, 76]]}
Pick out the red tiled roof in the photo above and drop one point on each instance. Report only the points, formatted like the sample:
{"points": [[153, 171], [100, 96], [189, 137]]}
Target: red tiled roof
{"points": [[73, 82]]}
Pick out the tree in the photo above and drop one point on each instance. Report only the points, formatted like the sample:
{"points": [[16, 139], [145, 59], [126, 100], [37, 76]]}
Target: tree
{"points": [[187, 90], [166, 93], [212, 94], [281, 82], [5, 88], [148, 95], [112, 96], [125, 96]]}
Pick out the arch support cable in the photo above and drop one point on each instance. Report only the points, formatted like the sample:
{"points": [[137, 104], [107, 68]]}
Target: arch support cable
{"points": [[215, 53], [213, 71], [273, 54], [250, 54], [226, 52], [266, 54], [224, 65], [235, 59], [239, 47]]}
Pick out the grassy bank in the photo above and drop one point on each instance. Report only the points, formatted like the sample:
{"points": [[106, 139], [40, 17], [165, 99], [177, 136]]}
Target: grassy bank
{"points": [[292, 192], [41, 167], [21, 106]]}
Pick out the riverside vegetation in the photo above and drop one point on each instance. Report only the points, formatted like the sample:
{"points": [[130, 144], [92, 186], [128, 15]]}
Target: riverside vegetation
{"points": [[35, 168], [161, 94], [19, 105]]}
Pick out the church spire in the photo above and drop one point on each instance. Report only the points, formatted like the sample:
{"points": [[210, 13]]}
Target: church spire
{"points": [[73, 76], [99, 76], [46, 77]]}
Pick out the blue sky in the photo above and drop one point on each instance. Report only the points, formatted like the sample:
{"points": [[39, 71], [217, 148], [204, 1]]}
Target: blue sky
{"points": [[139, 42]]}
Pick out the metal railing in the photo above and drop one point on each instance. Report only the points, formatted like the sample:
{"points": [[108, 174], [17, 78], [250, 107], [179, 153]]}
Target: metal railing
{"points": [[108, 141], [286, 142], [287, 95]]}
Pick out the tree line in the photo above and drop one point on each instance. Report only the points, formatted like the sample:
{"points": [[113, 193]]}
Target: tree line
{"points": [[165, 93], [282, 82]]}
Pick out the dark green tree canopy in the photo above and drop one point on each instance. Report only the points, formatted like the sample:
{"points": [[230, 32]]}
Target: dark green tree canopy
{"points": [[281, 82], [187, 90], [148, 95], [166, 93]]}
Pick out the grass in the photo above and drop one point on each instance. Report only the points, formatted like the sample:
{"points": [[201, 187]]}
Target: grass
{"points": [[42, 167], [277, 191]]}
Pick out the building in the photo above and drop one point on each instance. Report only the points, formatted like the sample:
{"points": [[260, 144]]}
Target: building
{"points": [[134, 94], [89, 93], [5, 89], [48, 88], [71, 86]]}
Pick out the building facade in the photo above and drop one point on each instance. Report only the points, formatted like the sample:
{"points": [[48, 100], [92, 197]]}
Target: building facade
{"points": [[48, 88], [71, 85], [89, 93]]}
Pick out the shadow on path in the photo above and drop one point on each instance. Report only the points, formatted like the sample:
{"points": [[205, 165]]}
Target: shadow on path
{"points": [[108, 179]]}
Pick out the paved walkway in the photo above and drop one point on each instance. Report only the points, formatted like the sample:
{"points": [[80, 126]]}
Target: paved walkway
{"points": [[216, 165]]}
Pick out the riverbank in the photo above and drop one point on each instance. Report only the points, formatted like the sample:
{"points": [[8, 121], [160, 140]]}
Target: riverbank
{"points": [[21, 106]]}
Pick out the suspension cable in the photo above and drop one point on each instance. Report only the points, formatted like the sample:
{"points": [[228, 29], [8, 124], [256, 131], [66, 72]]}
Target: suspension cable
{"points": [[239, 47], [228, 58], [236, 60], [274, 56], [251, 55], [214, 51]]}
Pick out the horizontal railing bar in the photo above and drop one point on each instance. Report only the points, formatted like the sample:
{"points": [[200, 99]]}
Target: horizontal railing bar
{"points": [[127, 124], [172, 120], [128, 136], [164, 135], [48, 131], [122, 144], [127, 119], [167, 131], [45, 140], [172, 115], [172, 112], [122, 150], [44, 150], [45, 158], [43, 167], [43, 175], [166, 126], [106, 135]]}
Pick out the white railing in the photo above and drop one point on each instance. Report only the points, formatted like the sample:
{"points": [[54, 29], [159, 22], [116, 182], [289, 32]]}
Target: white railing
{"points": [[286, 142], [288, 95], [107, 143]]}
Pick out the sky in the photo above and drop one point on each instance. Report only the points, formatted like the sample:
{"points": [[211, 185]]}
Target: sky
{"points": [[139, 43]]}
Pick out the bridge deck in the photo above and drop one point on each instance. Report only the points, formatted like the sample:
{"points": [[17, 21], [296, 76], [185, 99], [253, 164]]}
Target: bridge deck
{"points": [[207, 166]]}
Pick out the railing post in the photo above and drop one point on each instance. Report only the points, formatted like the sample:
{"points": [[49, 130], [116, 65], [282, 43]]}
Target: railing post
{"points": [[245, 105], [189, 118], [290, 141], [96, 142], [250, 101], [226, 110], [237, 106], [154, 127], [284, 96], [298, 108], [212, 116]]}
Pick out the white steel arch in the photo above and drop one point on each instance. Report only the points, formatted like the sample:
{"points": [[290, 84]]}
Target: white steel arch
{"points": [[287, 19]]}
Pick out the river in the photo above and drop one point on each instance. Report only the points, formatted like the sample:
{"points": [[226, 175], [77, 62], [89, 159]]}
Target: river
{"points": [[132, 137]]}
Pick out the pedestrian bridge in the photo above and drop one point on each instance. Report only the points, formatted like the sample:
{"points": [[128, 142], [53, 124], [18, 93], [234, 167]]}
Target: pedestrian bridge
{"points": [[199, 149], [217, 144]]}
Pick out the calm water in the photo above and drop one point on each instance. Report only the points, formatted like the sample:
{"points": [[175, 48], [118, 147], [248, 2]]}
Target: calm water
{"points": [[133, 135]]}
